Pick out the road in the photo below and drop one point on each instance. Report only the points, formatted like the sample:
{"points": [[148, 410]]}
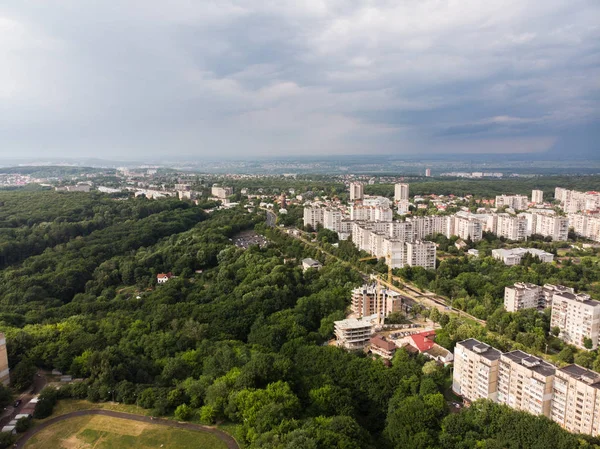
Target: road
{"points": [[39, 382], [428, 299], [227, 439]]}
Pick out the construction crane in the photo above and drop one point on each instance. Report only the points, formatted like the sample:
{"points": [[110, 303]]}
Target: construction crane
{"points": [[367, 258]]}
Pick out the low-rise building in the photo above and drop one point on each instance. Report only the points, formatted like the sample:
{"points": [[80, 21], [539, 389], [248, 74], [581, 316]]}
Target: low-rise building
{"points": [[163, 278], [383, 347], [310, 263], [514, 256]]}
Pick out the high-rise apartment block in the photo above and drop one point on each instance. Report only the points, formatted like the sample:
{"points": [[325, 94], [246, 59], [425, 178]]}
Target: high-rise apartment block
{"points": [[4, 371], [576, 400], [427, 172], [530, 296], [313, 216], [371, 299], [466, 226], [401, 192], [573, 201], [512, 227], [356, 191], [537, 196], [525, 383], [475, 370], [332, 219], [578, 318], [517, 202], [586, 225], [421, 254], [221, 192]]}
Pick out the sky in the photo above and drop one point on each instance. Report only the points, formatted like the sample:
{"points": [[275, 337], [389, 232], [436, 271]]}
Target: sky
{"points": [[133, 79]]}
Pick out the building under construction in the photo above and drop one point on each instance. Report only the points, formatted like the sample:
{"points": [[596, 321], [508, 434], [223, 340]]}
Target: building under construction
{"points": [[375, 299]]}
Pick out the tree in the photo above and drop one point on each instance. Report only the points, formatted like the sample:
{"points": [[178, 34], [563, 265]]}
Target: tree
{"points": [[588, 343], [5, 395], [46, 402], [23, 425], [22, 375], [184, 412]]}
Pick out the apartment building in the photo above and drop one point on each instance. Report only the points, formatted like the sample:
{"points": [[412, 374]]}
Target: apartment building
{"points": [[585, 225], [221, 192], [403, 207], [537, 196], [512, 227], [547, 294], [371, 213], [370, 299], [514, 256], [576, 400], [4, 371], [401, 192], [520, 296], [554, 226], [525, 383], [429, 225], [466, 227], [517, 202], [578, 318], [475, 370], [332, 219], [573, 201], [421, 254], [354, 334], [356, 191], [313, 216]]}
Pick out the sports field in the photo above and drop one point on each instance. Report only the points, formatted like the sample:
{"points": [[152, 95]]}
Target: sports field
{"points": [[104, 432]]}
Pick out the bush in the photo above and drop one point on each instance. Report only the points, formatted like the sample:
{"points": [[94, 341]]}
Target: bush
{"points": [[23, 425], [46, 402], [184, 412]]}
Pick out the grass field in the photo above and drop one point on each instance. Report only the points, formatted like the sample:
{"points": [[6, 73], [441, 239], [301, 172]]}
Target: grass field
{"points": [[103, 432]]}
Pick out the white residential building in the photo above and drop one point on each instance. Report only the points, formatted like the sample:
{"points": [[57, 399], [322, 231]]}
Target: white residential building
{"points": [[332, 219], [356, 191], [573, 201], [517, 202], [554, 226], [525, 383], [313, 216], [372, 300], [512, 227], [576, 400], [578, 318], [421, 254], [403, 207], [537, 196], [475, 373], [466, 226], [401, 192], [521, 296], [585, 225], [221, 192]]}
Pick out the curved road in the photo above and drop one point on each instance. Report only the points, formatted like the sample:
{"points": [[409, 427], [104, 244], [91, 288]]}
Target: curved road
{"points": [[227, 439]]}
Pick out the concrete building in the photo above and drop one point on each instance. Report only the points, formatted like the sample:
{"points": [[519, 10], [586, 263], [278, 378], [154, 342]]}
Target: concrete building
{"points": [[586, 225], [521, 296], [554, 226], [370, 300], [332, 219], [421, 254], [427, 172], [512, 227], [514, 256], [465, 226], [356, 191], [401, 192], [308, 264], [537, 196], [525, 383], [576, 400], [572, 201], [578, 318], [221, 192], [475, 370], [547, 294], [403, 207], [517, 202], [4, 371], [354, 334], [370, 213], [313, 216]]}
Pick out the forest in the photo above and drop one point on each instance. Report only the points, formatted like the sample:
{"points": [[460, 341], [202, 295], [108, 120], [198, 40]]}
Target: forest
{"points": [[237, 336]]}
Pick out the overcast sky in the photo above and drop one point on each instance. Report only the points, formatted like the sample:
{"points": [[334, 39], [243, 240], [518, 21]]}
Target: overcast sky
{"points": [[134, 78]]}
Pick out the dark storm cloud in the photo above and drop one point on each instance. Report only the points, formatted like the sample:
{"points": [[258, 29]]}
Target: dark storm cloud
{"points": [[240, 78]]}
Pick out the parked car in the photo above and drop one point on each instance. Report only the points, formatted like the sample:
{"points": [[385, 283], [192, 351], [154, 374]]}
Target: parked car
{"points": [[17, 403]]}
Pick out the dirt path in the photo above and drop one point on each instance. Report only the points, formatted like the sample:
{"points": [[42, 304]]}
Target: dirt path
{"points": [[227, 439]]}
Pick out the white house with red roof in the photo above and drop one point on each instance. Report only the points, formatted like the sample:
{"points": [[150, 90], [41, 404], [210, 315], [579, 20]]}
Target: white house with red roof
{"points": [[162, 278], [425, 343]]}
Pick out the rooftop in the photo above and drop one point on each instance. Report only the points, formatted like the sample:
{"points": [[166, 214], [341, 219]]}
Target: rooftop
{"points": [[583, 374], [383, 343], [482, 349], [579, 297], [533, 363]]}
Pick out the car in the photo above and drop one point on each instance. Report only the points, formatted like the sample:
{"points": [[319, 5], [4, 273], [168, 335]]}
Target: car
{"points": [[17, 403]]}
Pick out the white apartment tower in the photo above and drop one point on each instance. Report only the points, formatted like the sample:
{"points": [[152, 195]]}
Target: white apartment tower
{"points": [[332, 219], [525, 383], [512, 227], [537, 196], [554, 226], [356, 191], [517, 202], [313, 216], [421, 254], [401, 192], [578, 318], [521, 296], [576, 400], [475, 370]]}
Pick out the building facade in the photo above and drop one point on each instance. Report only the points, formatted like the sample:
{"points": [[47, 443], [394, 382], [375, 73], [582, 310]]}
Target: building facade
{"points": [[537, 196], [578, 318], [475, 370], [4, 371], [353, 334], [356, 191], [401, 192]]}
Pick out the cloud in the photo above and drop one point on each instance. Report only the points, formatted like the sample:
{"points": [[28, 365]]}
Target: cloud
{"points": [[140, 78]]}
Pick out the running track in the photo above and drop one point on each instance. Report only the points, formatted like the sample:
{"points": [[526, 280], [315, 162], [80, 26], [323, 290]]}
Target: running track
{"points": [[227, 439]]}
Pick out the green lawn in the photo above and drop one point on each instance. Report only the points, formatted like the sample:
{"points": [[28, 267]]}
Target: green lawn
{"points": [[104, 432]]}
